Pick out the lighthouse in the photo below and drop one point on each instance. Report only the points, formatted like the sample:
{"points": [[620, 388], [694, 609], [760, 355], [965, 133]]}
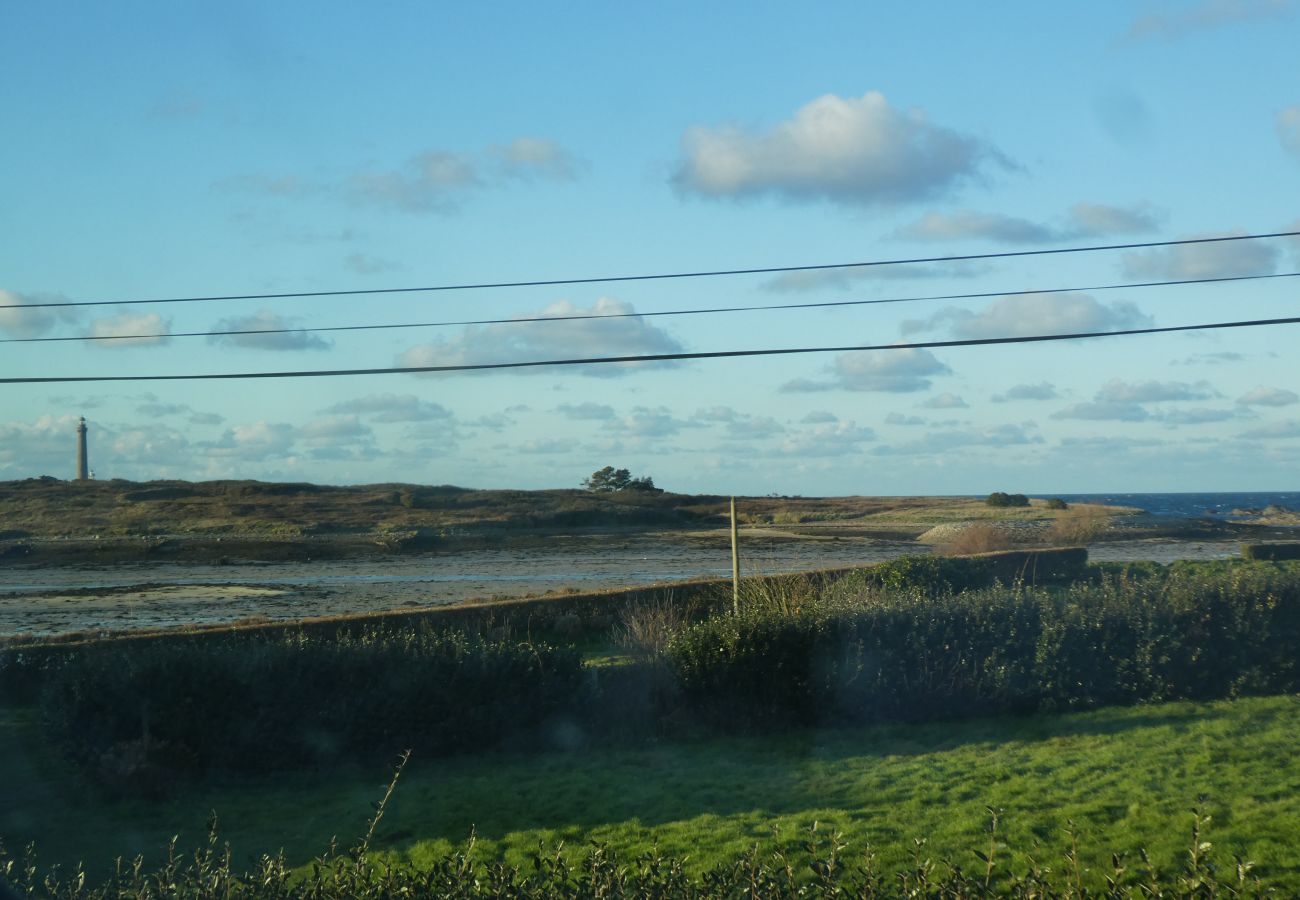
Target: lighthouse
{"points": [[83, 466]]}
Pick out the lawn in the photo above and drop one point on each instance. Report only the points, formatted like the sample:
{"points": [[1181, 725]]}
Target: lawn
{"points": [[1128, 777]]}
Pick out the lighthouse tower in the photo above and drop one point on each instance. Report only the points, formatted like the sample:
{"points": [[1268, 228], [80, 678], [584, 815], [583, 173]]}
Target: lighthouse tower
{"points": [[83, 466]]}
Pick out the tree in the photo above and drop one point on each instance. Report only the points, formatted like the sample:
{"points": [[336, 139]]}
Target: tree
{"points": [[609, 479]]}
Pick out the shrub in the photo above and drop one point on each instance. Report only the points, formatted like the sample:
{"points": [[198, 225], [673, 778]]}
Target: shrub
{"points": [[978, 537], [998, 498], [1057, 503], [257, 704], [1274, 551], [907, 656], [1077, 528]]}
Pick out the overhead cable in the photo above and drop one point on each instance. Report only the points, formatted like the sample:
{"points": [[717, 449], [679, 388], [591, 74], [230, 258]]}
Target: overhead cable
{"points": [[766, 270], [654, 357], [525, 320]]}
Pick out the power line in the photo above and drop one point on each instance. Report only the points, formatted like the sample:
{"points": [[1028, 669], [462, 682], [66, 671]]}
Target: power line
{"points": [[524, 320], [657, 357], [663, 276]]}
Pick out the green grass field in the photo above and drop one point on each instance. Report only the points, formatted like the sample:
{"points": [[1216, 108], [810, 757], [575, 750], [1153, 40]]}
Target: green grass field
{"points": [[1127, 777]]}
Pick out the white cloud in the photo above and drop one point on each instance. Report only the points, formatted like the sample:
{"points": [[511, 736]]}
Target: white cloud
{"points": [[1083, 220], [1288, 129], [391, 408], [255, 442], [1198, 416], [1225, 259], [364, 264], [1266, 396], [945, 401], [532, 157], [124, 324], [819, 417], [842, 279], [1289, 428], [264, 321], [1034, 314], [891, 371], [648, 422], [856, 150], [20, 318], [433, 181], [753, 427], [587, 411], [344, 429], [1104, 411], [1005, 435], [1040, 391], [1116, 391], [613, 330], [1205, 15], [900, 419], [830, 439]]}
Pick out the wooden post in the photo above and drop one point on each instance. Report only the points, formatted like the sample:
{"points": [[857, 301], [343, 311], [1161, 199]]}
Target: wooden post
{"points": [[735, 562]]}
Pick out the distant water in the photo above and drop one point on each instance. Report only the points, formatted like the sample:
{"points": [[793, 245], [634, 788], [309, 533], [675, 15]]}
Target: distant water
{"points": [[1191, 506]]}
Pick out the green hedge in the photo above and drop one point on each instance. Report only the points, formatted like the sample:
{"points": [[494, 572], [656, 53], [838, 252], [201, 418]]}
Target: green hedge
{"points": [[1272, 551], [911, 656], [294, 701]]}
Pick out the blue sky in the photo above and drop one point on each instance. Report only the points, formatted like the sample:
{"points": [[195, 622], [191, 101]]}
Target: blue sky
{"points": [[178, 149]]}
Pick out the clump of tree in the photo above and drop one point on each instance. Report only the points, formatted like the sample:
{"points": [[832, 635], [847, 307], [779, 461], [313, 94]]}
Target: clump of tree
{"points": [[609, 479], [998, 498]]}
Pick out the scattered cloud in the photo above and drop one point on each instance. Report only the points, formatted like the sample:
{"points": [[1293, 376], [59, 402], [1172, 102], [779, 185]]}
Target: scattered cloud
{"points": [[386, 408], [900, 419], [1005, 435], [152, 326], [267, 321], [432, 181], [1083, 220], [1266, 396], [1288, 129], [826, 440], [614, 329], [857, 150], [1289, 428], [1116, 391], [648, 422], [891, 371], [1104, 411], [1199, 416], [819, 417], [1203, 16], [364, 264], [531, 158], [753, 427], [945, 401], [1225, 259], [253, 442], [842, 279], [1033, 314], [1040, 391], [596, 412], [545, 446], [1211, 359], [20, 317], [336, 429]]}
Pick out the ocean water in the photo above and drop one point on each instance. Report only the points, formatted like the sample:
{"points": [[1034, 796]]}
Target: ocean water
{"points": [[1193, 506]]}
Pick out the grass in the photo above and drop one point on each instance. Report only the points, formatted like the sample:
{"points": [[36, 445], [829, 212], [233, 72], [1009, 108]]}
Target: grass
{"points": [[1127, 777]]}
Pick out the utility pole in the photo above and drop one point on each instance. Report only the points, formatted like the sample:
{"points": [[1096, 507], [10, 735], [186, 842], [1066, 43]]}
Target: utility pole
{"points": [[83, 464], [735, 562]]}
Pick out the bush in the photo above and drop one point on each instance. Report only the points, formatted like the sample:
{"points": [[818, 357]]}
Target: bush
{"points": [[1274, 551], [261, 704], [998, 498], [907, 656], [1057, 503], [978, 537]]}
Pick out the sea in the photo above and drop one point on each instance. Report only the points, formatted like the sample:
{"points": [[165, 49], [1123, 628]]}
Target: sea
{"points": [[1193, 505]]}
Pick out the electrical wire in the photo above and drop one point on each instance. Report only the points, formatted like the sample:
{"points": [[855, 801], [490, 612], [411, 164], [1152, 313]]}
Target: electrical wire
{"points": [[525, 320], [768, 270], [655, 357]]}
